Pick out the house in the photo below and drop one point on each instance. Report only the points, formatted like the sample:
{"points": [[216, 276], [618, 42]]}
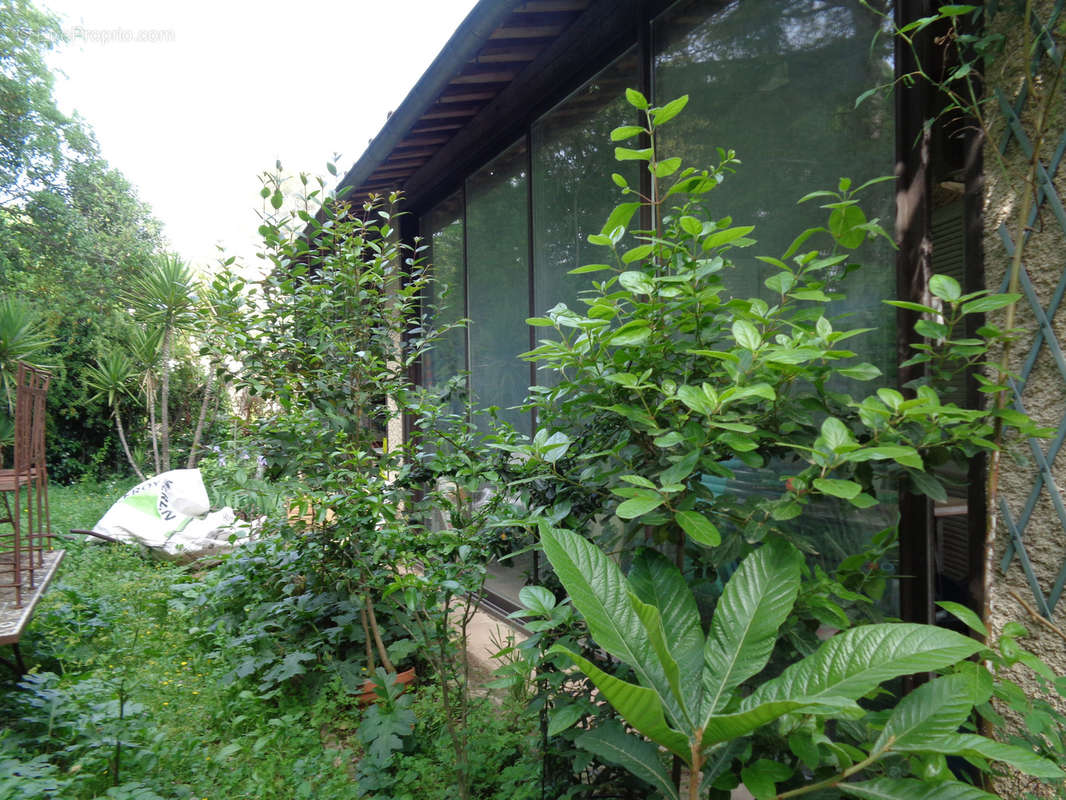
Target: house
{"points": [[502, 152]]}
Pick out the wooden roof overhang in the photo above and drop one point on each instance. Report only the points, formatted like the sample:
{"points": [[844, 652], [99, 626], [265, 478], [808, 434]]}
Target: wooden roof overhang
{"points": [[506, 61]]}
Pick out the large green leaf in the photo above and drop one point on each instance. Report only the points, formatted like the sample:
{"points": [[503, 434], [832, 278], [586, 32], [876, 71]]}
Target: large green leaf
{"points": [[753, 605], [657, 581], [970, 744], [653, 627], [640, 706], [562, 717], [611, 743], [855, 661], [600, 592], [931, 711], [725, 727], [910, 789]]}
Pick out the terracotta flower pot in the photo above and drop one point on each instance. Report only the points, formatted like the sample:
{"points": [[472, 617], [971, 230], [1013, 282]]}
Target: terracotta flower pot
{"points": [[368, 695]]}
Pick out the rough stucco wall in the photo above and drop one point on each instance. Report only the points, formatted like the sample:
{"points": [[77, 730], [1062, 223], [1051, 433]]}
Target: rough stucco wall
{"points": [[1045, 392], [1044, 396]]}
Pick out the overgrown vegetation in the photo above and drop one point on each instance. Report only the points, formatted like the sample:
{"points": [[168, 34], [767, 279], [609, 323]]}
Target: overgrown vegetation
{"points": [[72, 230], [134, 694], [664, 379], [722, 638]]}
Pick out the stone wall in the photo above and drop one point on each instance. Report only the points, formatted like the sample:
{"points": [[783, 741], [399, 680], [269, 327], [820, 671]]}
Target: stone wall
{"points": [[1043, 394], [1010, 593]]}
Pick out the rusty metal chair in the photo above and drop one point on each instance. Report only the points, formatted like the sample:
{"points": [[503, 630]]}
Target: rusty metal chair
{"points": [[22, 550]]}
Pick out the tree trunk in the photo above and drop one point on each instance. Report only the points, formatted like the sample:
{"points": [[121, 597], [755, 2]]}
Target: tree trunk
{"points": [[149, 391], [125, 444], [383, 654], [164, 400], [209, 391]]}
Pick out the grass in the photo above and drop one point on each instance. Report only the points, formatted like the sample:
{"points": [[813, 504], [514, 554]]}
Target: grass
{"points": [[125, 700], [133, 695]]}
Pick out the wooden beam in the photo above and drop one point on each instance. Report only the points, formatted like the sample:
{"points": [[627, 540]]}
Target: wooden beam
{"points": [[385, 174], [438, 128], [592, 41], [527, 32], [424, 152], [378, 186], [513, 54], [551, 6], [400, 163], [476, 75], [421, 141], [467, 96], [450, 112]]}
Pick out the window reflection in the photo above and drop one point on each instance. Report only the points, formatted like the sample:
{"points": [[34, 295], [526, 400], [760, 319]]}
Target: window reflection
{"points": [[776, 80], [442, 228], [573, 159], [497, 251]]}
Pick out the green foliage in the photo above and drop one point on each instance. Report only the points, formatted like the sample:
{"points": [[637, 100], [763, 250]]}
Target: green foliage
{"points": [[235, 476], [664, 380], [163, 296], [504, 759], [267, 615], [22, 338], [192, 727], [666, 385], [688, 699], [111, 377], [31, 779], [381, 732], [113, 619], [71, 230], [34, 133], [541, 676], [1018, 685]]}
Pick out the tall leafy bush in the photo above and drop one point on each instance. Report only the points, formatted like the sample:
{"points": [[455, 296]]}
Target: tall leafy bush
{"points": [[663, 380]]}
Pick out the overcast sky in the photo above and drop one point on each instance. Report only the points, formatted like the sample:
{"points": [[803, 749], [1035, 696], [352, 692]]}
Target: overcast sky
{"points": [[193, 100]]}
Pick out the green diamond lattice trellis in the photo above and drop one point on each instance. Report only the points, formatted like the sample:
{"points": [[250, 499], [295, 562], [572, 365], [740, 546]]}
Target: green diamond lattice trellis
{"points": [[1047, 203]]}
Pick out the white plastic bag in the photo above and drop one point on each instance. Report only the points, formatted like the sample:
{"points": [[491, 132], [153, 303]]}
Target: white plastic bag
{"points": [[168, 514]]}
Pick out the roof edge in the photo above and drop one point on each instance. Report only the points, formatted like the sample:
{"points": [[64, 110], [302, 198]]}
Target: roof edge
{"points": [[471, 34]]}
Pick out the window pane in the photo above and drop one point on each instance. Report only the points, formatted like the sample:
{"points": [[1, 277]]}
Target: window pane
{"points": [[776, 80], [442, 228], [497, 251], [573, 159]]}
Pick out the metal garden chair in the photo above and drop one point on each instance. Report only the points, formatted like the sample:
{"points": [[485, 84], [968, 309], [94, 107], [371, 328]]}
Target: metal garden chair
{"points": [[25, 484]]}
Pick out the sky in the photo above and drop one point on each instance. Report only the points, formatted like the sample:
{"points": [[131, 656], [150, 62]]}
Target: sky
{"points": [[192, 101]]}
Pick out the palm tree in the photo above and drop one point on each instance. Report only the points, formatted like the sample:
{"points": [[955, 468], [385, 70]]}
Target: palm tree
{"points": [[165, 296], [111, 378], [22, 338], [144, 347]]}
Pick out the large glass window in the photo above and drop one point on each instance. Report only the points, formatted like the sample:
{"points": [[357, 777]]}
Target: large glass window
{"points": [[497, 253], [776, 80], [442, 229], [573, 158]]}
